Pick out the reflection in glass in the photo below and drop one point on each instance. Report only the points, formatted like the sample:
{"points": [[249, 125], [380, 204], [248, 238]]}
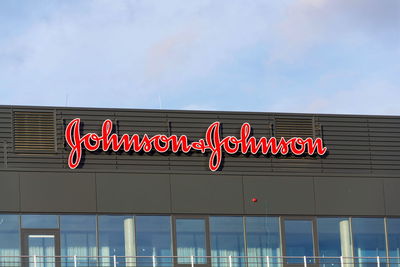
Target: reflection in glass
{"points": [[299, 240], [330, 240], [116, 237], [263, 239], [39, 221], [78, 237], [369, 239], [9, 240], [191, 240], [153, 238], [227, 239], [42, 246], [393, 232]]}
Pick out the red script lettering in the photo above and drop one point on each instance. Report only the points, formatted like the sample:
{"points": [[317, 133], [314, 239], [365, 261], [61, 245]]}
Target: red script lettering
{"points": [[212, 142]]}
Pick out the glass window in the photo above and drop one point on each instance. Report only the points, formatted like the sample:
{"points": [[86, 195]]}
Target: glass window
{"points": [[117, 237], [42, 246], [368, 239], [263, 239], [9, 240], [393, 232], [227, 239], [329, 240], [191, 240], [78, 237], [153, 237], [39, 221], [299, 240]]}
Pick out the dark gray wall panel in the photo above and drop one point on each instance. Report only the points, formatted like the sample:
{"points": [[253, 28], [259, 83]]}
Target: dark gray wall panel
{"points": [[392, 196], [212, 194], [349, 196], [57, 192], [139, 193], [279, 195], [9, 191], [358, 146]]}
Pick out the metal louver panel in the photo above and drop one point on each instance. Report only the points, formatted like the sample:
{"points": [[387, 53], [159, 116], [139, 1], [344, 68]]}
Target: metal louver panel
{"points": [[294, 127], [34, 131]]}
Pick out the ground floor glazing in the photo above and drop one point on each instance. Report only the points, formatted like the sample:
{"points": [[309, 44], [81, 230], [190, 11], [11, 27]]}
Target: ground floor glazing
{"points": [[183, 236]]}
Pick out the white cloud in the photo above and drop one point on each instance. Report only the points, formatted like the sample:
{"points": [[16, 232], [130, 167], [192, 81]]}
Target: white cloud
{"points": [[366, 97], [310, 23], [135, 48], [116, 53]]}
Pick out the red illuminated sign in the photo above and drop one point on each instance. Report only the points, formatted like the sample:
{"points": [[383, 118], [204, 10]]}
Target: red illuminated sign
{"points": [[213, 142]]}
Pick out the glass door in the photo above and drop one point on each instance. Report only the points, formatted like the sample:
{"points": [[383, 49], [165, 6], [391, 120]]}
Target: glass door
{"points": [[40, 246], [299, 240], [191, 241]]}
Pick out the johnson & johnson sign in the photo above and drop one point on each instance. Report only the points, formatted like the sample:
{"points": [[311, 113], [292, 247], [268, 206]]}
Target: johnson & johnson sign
{"points": [[213, 142]]}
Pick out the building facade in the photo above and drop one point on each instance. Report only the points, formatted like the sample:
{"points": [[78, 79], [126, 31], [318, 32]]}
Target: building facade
{"points": [[170, 207]]}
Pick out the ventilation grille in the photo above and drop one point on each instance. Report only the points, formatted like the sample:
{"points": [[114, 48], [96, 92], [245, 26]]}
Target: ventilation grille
{"points": [[294, 127], [34, 131]]}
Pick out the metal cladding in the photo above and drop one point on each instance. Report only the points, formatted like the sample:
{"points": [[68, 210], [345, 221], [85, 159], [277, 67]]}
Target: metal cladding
{"points": [[358, 174]]}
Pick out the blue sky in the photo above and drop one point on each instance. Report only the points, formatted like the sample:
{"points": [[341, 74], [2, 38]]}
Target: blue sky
{"points": [[323, 56]]}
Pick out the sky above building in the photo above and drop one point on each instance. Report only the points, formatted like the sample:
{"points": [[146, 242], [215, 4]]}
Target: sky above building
{"points": [[322, 56]]}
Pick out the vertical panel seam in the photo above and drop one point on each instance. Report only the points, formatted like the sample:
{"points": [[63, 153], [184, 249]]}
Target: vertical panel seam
{"points": [[19, 190], [243, 197], [384, 197], [170, 194], [95, 192], [315, 197]]}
